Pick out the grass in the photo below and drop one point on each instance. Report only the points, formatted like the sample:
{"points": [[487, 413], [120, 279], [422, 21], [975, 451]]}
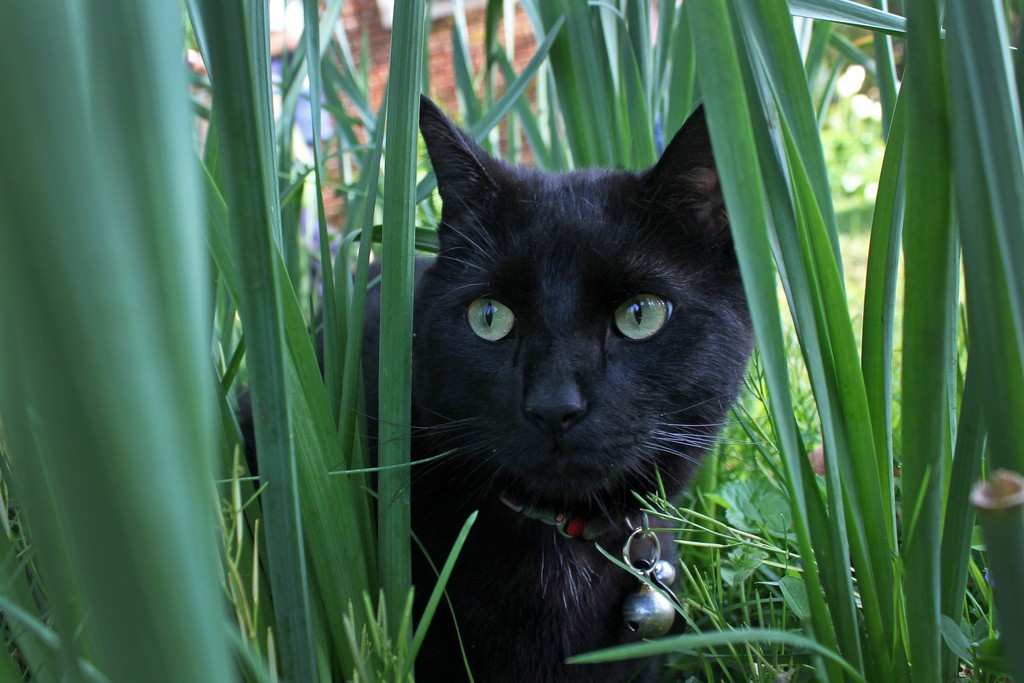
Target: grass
{"points": [[130, 269]]}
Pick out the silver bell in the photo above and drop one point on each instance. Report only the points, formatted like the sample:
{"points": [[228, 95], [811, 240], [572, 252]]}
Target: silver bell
{"points": [[665, 572], [648, 613]]}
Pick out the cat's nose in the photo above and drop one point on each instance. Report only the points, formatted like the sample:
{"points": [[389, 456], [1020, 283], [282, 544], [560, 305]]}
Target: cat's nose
{"points": [[555, 415]]}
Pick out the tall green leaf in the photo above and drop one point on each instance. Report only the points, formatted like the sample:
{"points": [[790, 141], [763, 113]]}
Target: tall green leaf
{"points": [[104, 370], [736, 156], [929, 256], [238, 59], [989, 165], [396, 306], [877, 340], [989, 174]]}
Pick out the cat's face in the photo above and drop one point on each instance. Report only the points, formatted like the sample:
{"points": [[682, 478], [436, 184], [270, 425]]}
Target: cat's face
{"points": [[581, 331]]}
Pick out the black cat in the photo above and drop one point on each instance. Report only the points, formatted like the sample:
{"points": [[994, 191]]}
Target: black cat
{"points": [[578, 335]]}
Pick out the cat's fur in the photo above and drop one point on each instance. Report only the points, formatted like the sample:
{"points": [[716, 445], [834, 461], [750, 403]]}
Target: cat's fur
{"points": [[565, 412]]}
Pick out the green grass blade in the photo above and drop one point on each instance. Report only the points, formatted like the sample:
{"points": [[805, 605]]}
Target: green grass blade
{"points": [[990, 195], [697, 641], [828, 531], [331, 331], [639, 43], [517, 86], [682, 78], [346, 81], [846, 411], [35, 646], [989, 173], [634, 112], [846, 47], [822, 34], [737, 160], [929, 255], [395, 566], [768, 31], [664, 47], [877, 339], [885, 72], [858, 518], [237, 59], [438, 591], [958, 523], [591, 68], [104, 366], [335, 509], [492, 22], [462, 64], [527, 119], [351, 427], [579, 71], [609, 29], [23, 620], [850, 13]]}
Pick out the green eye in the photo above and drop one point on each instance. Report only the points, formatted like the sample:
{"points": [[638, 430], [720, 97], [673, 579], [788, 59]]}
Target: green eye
{"points": [[642, 316], [490, 319]]}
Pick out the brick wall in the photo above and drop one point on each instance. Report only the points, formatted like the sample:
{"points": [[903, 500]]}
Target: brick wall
{"points": [[361, 18]]}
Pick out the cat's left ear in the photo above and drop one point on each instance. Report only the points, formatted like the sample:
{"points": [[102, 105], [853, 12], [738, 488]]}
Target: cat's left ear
{"points": [[685, 179], [464, 171]]}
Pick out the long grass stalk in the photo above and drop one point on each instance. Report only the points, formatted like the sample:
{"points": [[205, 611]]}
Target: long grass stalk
{"points": [[737, 160], [851, 13], [870, 548], [878, 337], [987, 149], [829, 532], [244, 115], [885, 72], [393, 513], [816, 293], [578, 69], [351, 428], [697, 641], [683, 74], [929, 254], [989, 175], [39, 647], [331, 333], [336, 509], [959, 518], [105, 390]]}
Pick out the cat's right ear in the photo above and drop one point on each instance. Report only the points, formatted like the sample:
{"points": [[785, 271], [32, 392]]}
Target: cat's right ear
{"points": [[465, 173], [686, 179]]}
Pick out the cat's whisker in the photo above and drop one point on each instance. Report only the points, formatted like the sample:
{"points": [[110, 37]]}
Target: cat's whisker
{"points": [[661, 448], [719, 398], [489, 249], [692, 443], [695, 438], [454, 296], [697, 432], [466, 263]]}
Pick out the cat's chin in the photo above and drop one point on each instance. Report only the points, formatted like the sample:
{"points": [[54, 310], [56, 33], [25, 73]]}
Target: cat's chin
{"points": [[581, 492]]}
